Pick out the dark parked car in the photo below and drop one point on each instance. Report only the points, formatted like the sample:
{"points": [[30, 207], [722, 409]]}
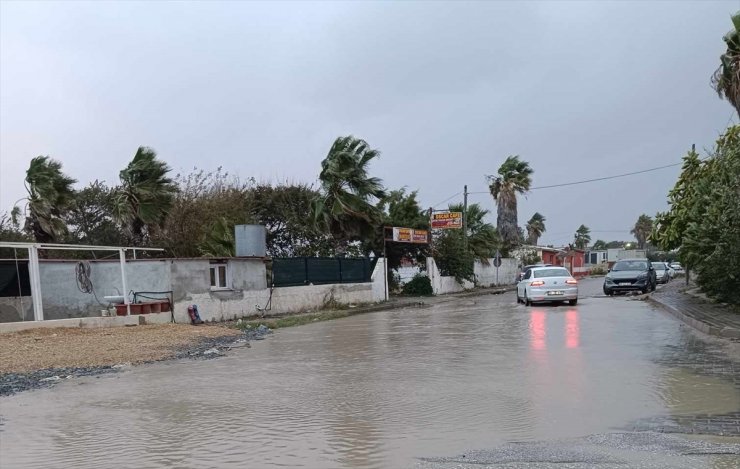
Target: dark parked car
{"points": [[630, 275], [524, 270]]}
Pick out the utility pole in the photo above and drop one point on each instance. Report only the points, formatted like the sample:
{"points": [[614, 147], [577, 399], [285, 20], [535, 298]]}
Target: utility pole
{"points": [[465, 216]]}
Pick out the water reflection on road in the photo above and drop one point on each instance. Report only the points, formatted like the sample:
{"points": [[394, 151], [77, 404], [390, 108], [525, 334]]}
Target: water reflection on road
{"points": [[381, 390]]}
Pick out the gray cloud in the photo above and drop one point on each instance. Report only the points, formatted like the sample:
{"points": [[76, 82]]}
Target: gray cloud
{"points": [[445, 90]]}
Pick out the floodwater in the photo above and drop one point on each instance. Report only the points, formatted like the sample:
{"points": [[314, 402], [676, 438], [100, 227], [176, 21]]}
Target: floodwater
{"points": [[386, 390]]}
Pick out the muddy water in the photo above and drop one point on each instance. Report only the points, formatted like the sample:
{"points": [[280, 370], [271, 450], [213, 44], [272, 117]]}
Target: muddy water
{"points": [[381, 390]]}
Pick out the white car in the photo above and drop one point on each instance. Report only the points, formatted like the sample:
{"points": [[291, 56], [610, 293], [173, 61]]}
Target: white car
{"points": [[677, 267], [547, 284], [671, 272]]}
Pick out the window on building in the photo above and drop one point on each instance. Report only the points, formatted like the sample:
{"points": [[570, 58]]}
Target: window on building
{"points": [[218, 276]]}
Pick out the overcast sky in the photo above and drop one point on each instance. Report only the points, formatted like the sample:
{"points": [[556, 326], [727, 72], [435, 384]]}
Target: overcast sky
{"points": [[446, 91]]}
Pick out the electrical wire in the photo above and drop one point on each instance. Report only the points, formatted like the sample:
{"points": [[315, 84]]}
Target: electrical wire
{"points": [[584, 181], [84, 282], [448, 198]]}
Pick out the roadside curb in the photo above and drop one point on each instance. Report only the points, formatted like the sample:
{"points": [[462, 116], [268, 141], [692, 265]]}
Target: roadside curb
{"points": [[725, 332]]}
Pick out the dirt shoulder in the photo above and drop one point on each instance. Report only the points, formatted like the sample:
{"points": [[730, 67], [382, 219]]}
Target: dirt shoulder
{"points": [[38, 349]]}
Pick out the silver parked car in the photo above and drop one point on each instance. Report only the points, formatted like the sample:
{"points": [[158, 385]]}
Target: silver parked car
{"points": [[547, 284], [662, 272]]}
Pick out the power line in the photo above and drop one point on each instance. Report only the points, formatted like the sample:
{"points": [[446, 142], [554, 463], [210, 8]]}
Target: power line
{"points": [[449, 198], [595, 179]]}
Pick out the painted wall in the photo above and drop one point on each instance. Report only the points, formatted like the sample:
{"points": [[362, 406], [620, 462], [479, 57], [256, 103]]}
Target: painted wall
{"points": [[16, 308], [190, 281], [62, 298], [442, 284], [225, 305], [485, 275]]}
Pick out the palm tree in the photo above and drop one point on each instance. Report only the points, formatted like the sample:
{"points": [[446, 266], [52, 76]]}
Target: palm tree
{"points": [[344, 207], [482, 237], [220, 240], [582, 237], [726, 79], [514, 176], [535, 228], [50, 196], [145, 195], [642, 229], [599, 245]]}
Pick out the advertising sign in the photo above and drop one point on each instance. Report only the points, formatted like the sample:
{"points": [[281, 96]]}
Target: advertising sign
{"points": [[446, 220], [406, 235]]}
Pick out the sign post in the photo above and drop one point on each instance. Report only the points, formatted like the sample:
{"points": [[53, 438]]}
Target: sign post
{"points": [[396, 234], [497, 263]]}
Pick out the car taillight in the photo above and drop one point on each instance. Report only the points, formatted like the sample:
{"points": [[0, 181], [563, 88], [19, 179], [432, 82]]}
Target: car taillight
{"points": [[537, 283], [571, 281]]}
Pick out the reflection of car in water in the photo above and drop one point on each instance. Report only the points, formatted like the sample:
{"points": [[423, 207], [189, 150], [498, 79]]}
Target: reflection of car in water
{"points": [[547, 284], [630, 275], [662, 274]]}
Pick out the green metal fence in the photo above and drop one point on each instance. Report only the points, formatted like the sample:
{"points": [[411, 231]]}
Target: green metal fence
{"points": [[294, 271]]}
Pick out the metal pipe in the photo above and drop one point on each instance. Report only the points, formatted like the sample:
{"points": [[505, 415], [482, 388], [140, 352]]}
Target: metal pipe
{"points": [[70, 247], [122, 258], [35, 279]]}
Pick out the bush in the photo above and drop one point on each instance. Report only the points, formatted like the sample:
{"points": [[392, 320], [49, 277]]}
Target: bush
{"points": [[598, 270], [420, 285]]}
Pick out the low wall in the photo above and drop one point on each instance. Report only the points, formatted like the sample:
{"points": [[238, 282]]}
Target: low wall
{"points": [[62, 299], [189, 279], [16, 308], [227, 305], [485, 275], [442, 284]]}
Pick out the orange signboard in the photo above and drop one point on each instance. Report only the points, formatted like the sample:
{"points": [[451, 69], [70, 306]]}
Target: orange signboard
{"points": [[407, 235], [446, 220]]}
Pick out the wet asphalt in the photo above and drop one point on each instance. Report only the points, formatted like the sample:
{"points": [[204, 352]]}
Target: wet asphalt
{"points": [[471, 383]]}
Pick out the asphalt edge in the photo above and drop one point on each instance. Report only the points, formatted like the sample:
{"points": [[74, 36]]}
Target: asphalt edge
{"points": [[725, 332]]}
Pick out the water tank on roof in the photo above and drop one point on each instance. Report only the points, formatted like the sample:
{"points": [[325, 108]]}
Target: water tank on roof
{"points": [[250, 240]]}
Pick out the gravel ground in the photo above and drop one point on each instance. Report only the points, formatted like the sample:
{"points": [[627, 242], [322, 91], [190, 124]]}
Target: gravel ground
{"points": [[42, 357]]}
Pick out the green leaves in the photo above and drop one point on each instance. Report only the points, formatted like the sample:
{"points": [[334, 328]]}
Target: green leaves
{"points": [[535, 228], [344, 207], [50, 196], [726, 79], [642, 229], [145, 195], [514, 177], [703, 221], [582, 237]]}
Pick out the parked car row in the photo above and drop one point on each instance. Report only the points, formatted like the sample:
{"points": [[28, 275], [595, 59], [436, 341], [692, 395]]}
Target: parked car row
{"points": [[637, 275]]}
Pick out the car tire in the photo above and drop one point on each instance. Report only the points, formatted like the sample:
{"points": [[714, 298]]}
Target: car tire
{"points": [[526, 299], [573, 302], [608, 292]]}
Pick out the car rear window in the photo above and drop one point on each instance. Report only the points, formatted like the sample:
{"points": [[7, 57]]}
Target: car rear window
{"points": [[630, 265], [541, 273]]}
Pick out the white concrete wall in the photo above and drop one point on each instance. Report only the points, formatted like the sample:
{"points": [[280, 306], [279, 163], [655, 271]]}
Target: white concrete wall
{"points": [[190, 282], [62, 299], [16, 308], [226, 305], [485, 275], [442, 285]]}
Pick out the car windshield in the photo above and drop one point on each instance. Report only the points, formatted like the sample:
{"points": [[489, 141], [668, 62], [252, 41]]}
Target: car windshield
{"points": [[558, 272], [630, 265], [659, 265]]}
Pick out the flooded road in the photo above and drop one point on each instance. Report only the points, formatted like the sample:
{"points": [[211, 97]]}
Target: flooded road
{"points": [[395, 389]]}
